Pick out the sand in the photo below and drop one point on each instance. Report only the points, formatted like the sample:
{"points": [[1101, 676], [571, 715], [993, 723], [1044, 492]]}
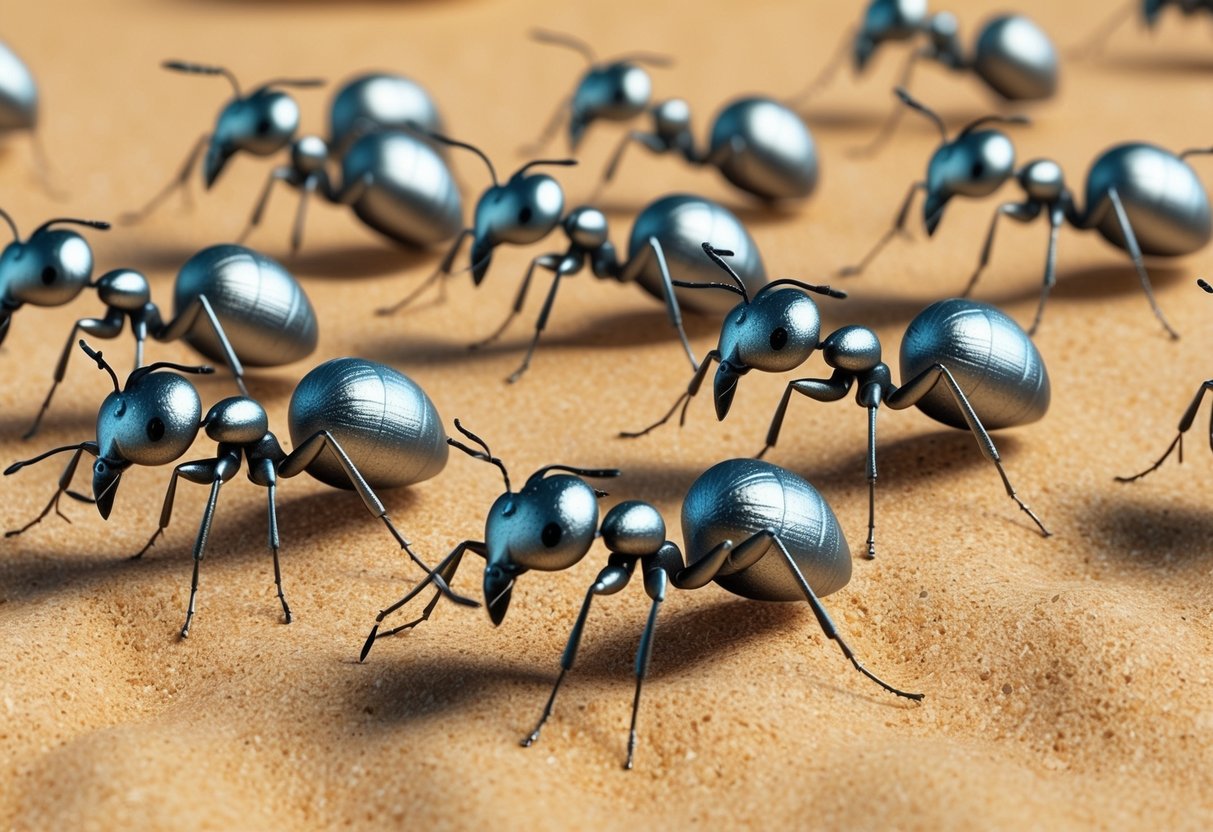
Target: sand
{"points": [[1067, 680]]}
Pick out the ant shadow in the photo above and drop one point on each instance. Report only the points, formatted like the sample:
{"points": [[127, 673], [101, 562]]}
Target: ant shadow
{"points": [[352, 262], [753, 212], [29, 573], [1150, 533], [849, 119], [1084, 284], [1171, 64], [908, 461], [615, 331], [417, 688]]}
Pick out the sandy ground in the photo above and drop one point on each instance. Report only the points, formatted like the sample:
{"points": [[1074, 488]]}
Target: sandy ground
{"points": [[1067, 680]]}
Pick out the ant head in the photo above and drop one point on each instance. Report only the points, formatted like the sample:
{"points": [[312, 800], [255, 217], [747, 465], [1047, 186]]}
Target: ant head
{"points": [[152, 420], [974, 164], [548, 525], [1042, 180], [586, 227], [633, 528], [262, 123], [774, 332], [51, 268], [616, 90], [855, 349], [887, 20], [309, 154], [524, 210], [671, 118]]}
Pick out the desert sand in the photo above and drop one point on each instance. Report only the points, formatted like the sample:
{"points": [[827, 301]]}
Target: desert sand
{"points": [[1067, 679]]}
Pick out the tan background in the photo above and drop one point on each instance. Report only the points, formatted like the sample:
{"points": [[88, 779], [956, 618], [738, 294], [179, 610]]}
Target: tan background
{"points": [[1067, 680]]}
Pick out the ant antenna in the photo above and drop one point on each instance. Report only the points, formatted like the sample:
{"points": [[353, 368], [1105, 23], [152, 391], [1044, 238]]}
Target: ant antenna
{"points": [[914, 104], [297, 83], [1200, 281], [994, 119], [486, 455], [648, 58], [828, 291], [568, 41], [581, 472], [438, 137], [1196, 151], [717, 256], [204, 69], [101, 363], [100, 225], [534, 162], [11, 224]]}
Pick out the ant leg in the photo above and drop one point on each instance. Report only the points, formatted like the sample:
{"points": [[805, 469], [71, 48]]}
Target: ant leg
{"points": [[108, 327], [656, 581], [275, 544], [1185, 422], [913, 391], [204, 532], [184, 323], [551, 262], [827, 73], [1056, 217], [200, 471], [1135, 252], [899, 225], [65, 482], [539, 326], [42, 167], [649, 140], [307, 451], [1024, 212], [820, 389], [872, 411], [309, 187], [826, 623], [178, 182], [439, 274], [279, 174], [444, 571], [682, 401], [1095, 43], [673, 310], [549, 130], [613, 577], [894, 119]]}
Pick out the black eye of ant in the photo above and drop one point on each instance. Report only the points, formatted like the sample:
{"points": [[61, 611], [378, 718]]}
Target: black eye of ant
{"points": [[551, 534], [620, 97], [155, 429], [48, 275], [977, 170], [779, 338], [263, 126], [524, 216]]}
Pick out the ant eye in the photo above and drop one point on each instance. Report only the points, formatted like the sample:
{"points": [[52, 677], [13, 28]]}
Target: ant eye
{"points": [[779, 338], [263, 126], [524, 216], [155, 429], [619, 95], [551, 534], [48, 275], [977, 170]]}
